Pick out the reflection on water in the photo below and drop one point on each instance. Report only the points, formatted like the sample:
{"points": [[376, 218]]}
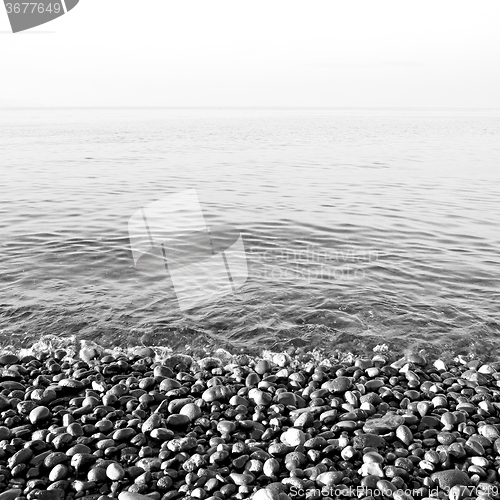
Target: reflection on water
{"points": [[360, 227]]}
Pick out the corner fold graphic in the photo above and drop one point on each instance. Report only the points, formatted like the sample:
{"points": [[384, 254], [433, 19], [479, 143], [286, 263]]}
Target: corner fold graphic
{"points": [[24, 15], [70, 4]]}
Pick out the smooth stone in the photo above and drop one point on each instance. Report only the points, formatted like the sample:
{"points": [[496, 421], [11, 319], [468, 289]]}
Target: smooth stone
{"points": [[373, 457], [241, 479], [115, 472], [209, 363], [55, 458], [401, 495], [59, 472], [124, 434], [295, 460], [374, 385], [178, 421], [386, 487], [8, 359], [429, 422], [191, 410], [11, 494], [271, 467], [474, 447], [487, 369], [39, 414], [168, 384], [263, 494], [416, 359], [216, 393], [5, 433], [293, 437], [21, 457], [55, 494], [97, 474], [226, 427], [262, 366], [305, 419], [287, 398], [71, 383], [448, 478], [404, 434], [128, 495], [81, 461], [152, 422], [338, 385], [489, 431], [329, 478], [260, 397]]}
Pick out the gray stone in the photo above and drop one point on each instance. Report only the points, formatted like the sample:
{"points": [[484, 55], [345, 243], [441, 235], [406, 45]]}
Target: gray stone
{"points": [[446, 479]]}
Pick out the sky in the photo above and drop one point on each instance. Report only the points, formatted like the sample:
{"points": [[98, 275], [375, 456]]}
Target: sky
{"points": [[376, 53]]}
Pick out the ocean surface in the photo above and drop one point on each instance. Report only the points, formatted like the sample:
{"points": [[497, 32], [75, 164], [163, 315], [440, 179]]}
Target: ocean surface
{"points": [[360, 227]]}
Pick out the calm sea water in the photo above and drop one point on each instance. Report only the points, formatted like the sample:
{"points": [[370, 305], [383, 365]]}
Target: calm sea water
{"points": [[360, 226]]}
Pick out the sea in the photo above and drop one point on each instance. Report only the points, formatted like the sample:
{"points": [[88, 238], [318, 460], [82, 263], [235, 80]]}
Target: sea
{"points": [[359, 228]]}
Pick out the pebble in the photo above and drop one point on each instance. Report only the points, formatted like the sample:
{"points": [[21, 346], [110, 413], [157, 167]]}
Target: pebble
{"points": [[373, 457], [217, 393], [447, 478], [115, 472], [11, 494], [389, 422], [338, 385], [153, 422], [8, 359], [59, 472], [489, 431], [262, 494], [226, 427], [281, 360], [39, 414], [233, 427], [127, 495], [191, 410], [404, 434], [293, 437], [329, 478], [262, 366], [368, 441]]}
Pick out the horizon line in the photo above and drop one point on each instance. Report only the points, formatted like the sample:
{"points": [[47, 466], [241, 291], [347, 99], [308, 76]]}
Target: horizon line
{"points": [[253, 107]]}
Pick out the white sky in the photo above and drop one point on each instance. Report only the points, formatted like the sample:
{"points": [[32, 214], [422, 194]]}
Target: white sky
{"points": [[257, 53]]}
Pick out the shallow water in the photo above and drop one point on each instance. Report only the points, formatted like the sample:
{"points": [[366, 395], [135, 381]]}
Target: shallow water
{"points": [[360, 227]]}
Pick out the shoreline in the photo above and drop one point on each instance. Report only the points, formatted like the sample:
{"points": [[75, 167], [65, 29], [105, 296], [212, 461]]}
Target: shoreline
{"points": [[147, 423]]}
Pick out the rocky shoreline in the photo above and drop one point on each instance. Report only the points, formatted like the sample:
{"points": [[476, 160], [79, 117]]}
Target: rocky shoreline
{"points": [[141, 425]]}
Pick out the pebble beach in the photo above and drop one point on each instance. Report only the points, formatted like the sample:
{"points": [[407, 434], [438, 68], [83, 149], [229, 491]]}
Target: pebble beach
{"points": [[141, 425]]}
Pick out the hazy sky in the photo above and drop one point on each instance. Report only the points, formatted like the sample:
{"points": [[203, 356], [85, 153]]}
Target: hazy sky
{"points": [[257, 53]]}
